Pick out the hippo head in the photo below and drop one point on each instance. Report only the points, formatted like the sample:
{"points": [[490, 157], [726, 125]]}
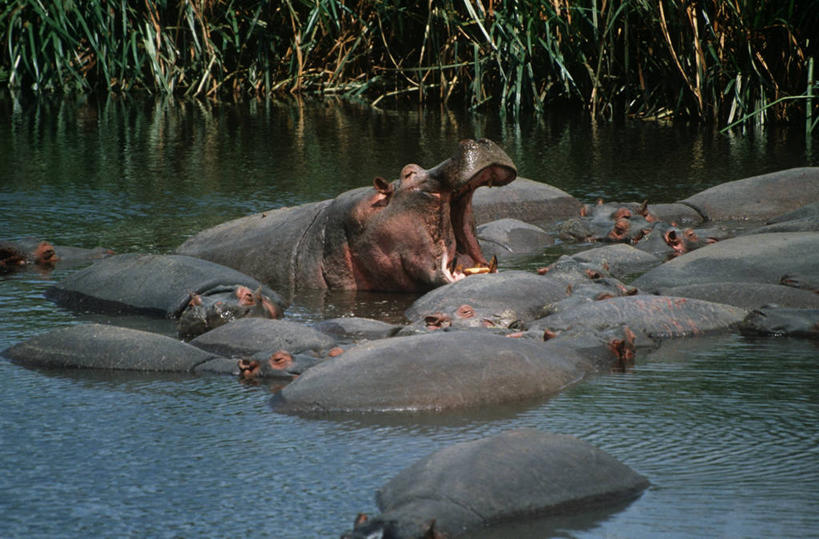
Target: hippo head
{"points": [[222, 304], [417, 232]]}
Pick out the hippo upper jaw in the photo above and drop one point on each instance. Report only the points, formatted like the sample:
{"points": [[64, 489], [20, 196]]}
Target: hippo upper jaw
{"points": [[417, 232], [465, 251]]}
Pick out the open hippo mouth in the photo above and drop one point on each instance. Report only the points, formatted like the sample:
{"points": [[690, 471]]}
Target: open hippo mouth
{"points": [[479, 162]]}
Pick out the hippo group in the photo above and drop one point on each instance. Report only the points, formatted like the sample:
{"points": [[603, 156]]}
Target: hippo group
{"points": [[741, 256]]}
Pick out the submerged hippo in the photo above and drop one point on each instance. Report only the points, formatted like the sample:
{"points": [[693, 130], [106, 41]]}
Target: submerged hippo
{"points": [[514, 476], [101, 346], [413, 234], [448, 370], [200, 294], [27, 252]]}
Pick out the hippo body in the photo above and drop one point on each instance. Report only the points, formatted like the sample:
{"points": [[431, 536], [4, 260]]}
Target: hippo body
{"points": [[248, 336], [509, 237], [620, 259], [525, 200], [106, 347], [409, 235], [758, 258], [758, 198], [100, 346], [157, 285], [804, 219], [657, 317], [495, 299], [202, 295], [515, 475], [351, 329], [746, 295], [443, 370], [781, 321]]}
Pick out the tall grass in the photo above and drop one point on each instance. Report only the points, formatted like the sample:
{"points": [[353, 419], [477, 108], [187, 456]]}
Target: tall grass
{"points": [[713, 60]]}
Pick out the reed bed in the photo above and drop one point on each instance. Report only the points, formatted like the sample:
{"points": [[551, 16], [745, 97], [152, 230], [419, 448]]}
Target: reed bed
{"points": [[719, 61]]}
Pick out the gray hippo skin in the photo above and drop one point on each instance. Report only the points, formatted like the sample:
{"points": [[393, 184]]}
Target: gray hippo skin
{"points": [[29, 252], [101, 346], [412, 234], [202, 294], [758, 198], [780, 321], [746, 295], [513, 476], [525, 200], [441, 371], [495, 299], [619, 259], [248, 336], [657, 317], [509, 237], [757, 258]]}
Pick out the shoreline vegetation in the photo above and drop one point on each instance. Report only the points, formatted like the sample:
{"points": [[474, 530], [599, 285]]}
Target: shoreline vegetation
{"points": [[723, 62]]}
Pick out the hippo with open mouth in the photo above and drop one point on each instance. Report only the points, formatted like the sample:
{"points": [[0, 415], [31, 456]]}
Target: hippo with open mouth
{"points": [[412, 234]]}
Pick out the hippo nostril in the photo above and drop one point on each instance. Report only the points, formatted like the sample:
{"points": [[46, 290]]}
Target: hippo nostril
{"points": [[465, 311], [436, 321]]}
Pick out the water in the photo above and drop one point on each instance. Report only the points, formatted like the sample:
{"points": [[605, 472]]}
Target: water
{"points": [[727, 430]]}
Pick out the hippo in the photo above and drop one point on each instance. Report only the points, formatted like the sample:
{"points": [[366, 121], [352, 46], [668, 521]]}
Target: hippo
{"points": [[746, 295], [445, 370], [782, 321], [508, 237], [27, 252], [413, 234], [354, 329], [656, 317], [525, 200], [758, 258], [457, 490], [202, 295], [758, 198], [494, 299], [248, 336], [619, 259], [804, 219], [102, 346]]}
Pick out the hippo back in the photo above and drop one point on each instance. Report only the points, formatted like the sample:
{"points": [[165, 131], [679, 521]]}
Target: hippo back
{"points": [[264, 245]]}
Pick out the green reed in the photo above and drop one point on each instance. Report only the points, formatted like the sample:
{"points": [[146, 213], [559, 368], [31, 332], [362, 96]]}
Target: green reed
{"points": [[713, 60]]}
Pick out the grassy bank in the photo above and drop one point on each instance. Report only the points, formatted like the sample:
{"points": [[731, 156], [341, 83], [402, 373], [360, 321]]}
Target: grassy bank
{"points": [[712, 60]]}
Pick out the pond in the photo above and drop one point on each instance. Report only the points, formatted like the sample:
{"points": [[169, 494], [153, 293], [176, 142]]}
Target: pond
{"points": [[726, 429]]}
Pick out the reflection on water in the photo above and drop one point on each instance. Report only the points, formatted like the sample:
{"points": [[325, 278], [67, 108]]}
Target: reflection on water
{"points": [[726, 429]]}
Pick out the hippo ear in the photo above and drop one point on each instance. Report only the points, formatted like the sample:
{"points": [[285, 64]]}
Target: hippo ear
{"points": [[385, 191]]}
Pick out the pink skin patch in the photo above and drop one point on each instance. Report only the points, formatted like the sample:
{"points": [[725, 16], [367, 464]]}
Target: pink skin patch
{"points": [[465, 311], [437, 321], [673, 240], [45, 255], [248, 369], [245, 296], [271, 308], [621, 227], [549, 334], [335, 352], [622, 213], [280, 360]]}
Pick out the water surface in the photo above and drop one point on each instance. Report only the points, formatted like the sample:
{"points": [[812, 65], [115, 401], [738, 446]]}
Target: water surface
{"points": [[727, 430]]}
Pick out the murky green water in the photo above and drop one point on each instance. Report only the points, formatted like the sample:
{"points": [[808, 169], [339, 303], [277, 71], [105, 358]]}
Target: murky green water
{"points": [[727, 430]]}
